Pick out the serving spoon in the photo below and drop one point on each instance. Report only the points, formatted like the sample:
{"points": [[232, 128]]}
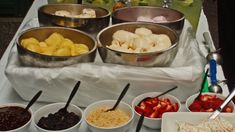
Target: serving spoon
{"points": [[120, 97], [74, 91], [32, 101], [214, 87], [213, 54]]}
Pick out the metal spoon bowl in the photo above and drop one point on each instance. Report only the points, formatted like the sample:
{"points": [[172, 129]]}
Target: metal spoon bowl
{"points": [[216, 56], [215, 88]]}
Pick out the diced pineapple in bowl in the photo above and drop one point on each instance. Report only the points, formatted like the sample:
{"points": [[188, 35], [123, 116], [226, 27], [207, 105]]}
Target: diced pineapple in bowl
{"points": [[55, 47]]}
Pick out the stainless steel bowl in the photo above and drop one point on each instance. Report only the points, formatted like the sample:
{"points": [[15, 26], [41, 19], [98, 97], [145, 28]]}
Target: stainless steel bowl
{"points": [[46, 17], [130, 14], [150, 59], [29, 58]]}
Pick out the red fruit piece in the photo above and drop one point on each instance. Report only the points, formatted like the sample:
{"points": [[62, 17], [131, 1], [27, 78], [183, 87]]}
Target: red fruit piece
{"points": [[154, 107], [227, 109], [163, 104], [154, 114], [169, 108], [195, 106], [176, 106], [139, 110], [210, 110]]}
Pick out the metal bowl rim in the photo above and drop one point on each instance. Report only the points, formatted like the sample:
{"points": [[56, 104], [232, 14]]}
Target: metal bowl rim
{"points": [[104, 16], [154, 7], [138, 23], [34, 28]]}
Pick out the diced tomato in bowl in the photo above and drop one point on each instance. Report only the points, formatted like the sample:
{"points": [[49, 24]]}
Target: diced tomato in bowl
{"points": [[207, 102], [153, 108]]}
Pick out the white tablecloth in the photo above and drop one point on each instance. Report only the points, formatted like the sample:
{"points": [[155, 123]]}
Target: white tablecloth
{"points": [[7, 93]]}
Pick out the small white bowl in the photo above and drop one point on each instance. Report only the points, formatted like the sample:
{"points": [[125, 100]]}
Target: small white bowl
{"points": [[109, 103], [154, 123], [53, 108], [190, 100], [26, 126]]}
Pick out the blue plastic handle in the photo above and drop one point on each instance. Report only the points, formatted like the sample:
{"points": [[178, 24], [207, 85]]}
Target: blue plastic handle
{"points": [[213, 71]]}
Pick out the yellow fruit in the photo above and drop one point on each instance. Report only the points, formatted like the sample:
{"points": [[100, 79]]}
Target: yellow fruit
{"points": [[62, 52], [42, 44], [81, 46], [78, 49], [54, 39], [47, 50], [66, 43], [25, 42], [34, 48]]}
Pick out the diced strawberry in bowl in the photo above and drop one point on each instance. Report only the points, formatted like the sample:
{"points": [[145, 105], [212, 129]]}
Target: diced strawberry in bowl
{"points": [[153, 108], [207, 102]]}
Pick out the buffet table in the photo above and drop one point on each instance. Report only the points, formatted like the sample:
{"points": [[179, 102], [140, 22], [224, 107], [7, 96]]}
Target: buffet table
{"points": [[8, 94]]}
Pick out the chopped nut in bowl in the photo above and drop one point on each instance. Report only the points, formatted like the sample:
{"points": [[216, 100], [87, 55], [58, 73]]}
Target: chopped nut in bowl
{"points": [[100, 120]]}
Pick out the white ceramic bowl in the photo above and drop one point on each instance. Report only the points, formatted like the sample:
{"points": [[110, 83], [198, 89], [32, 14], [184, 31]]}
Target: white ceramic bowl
{"points": [[53, 108], [26, 126], [190, 100], [154, 123], [109, 103]]}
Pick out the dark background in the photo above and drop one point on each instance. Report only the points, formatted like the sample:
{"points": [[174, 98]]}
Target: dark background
{"points": [[227, 38]]}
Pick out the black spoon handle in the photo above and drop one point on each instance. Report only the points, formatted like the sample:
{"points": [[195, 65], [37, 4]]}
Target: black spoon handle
{"points": [[167, 91], [203, 83], [121, 96], [75, 89], [31, 102], [139, 124]]}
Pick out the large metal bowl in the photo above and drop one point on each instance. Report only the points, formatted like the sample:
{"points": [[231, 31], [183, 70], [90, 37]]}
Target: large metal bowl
{"points": [[130, 14], [29, 58], [150, 59], [46, 17]]}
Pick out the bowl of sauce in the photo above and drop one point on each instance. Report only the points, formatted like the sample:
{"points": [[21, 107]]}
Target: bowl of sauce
{"points": [[49, 118], [14, 118]]}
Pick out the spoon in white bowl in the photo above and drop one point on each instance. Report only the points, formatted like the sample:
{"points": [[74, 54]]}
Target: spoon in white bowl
{"points": [[140, 122], [220, 108], [32, 101], [120, 97], [75, 89], [202, 84]]}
